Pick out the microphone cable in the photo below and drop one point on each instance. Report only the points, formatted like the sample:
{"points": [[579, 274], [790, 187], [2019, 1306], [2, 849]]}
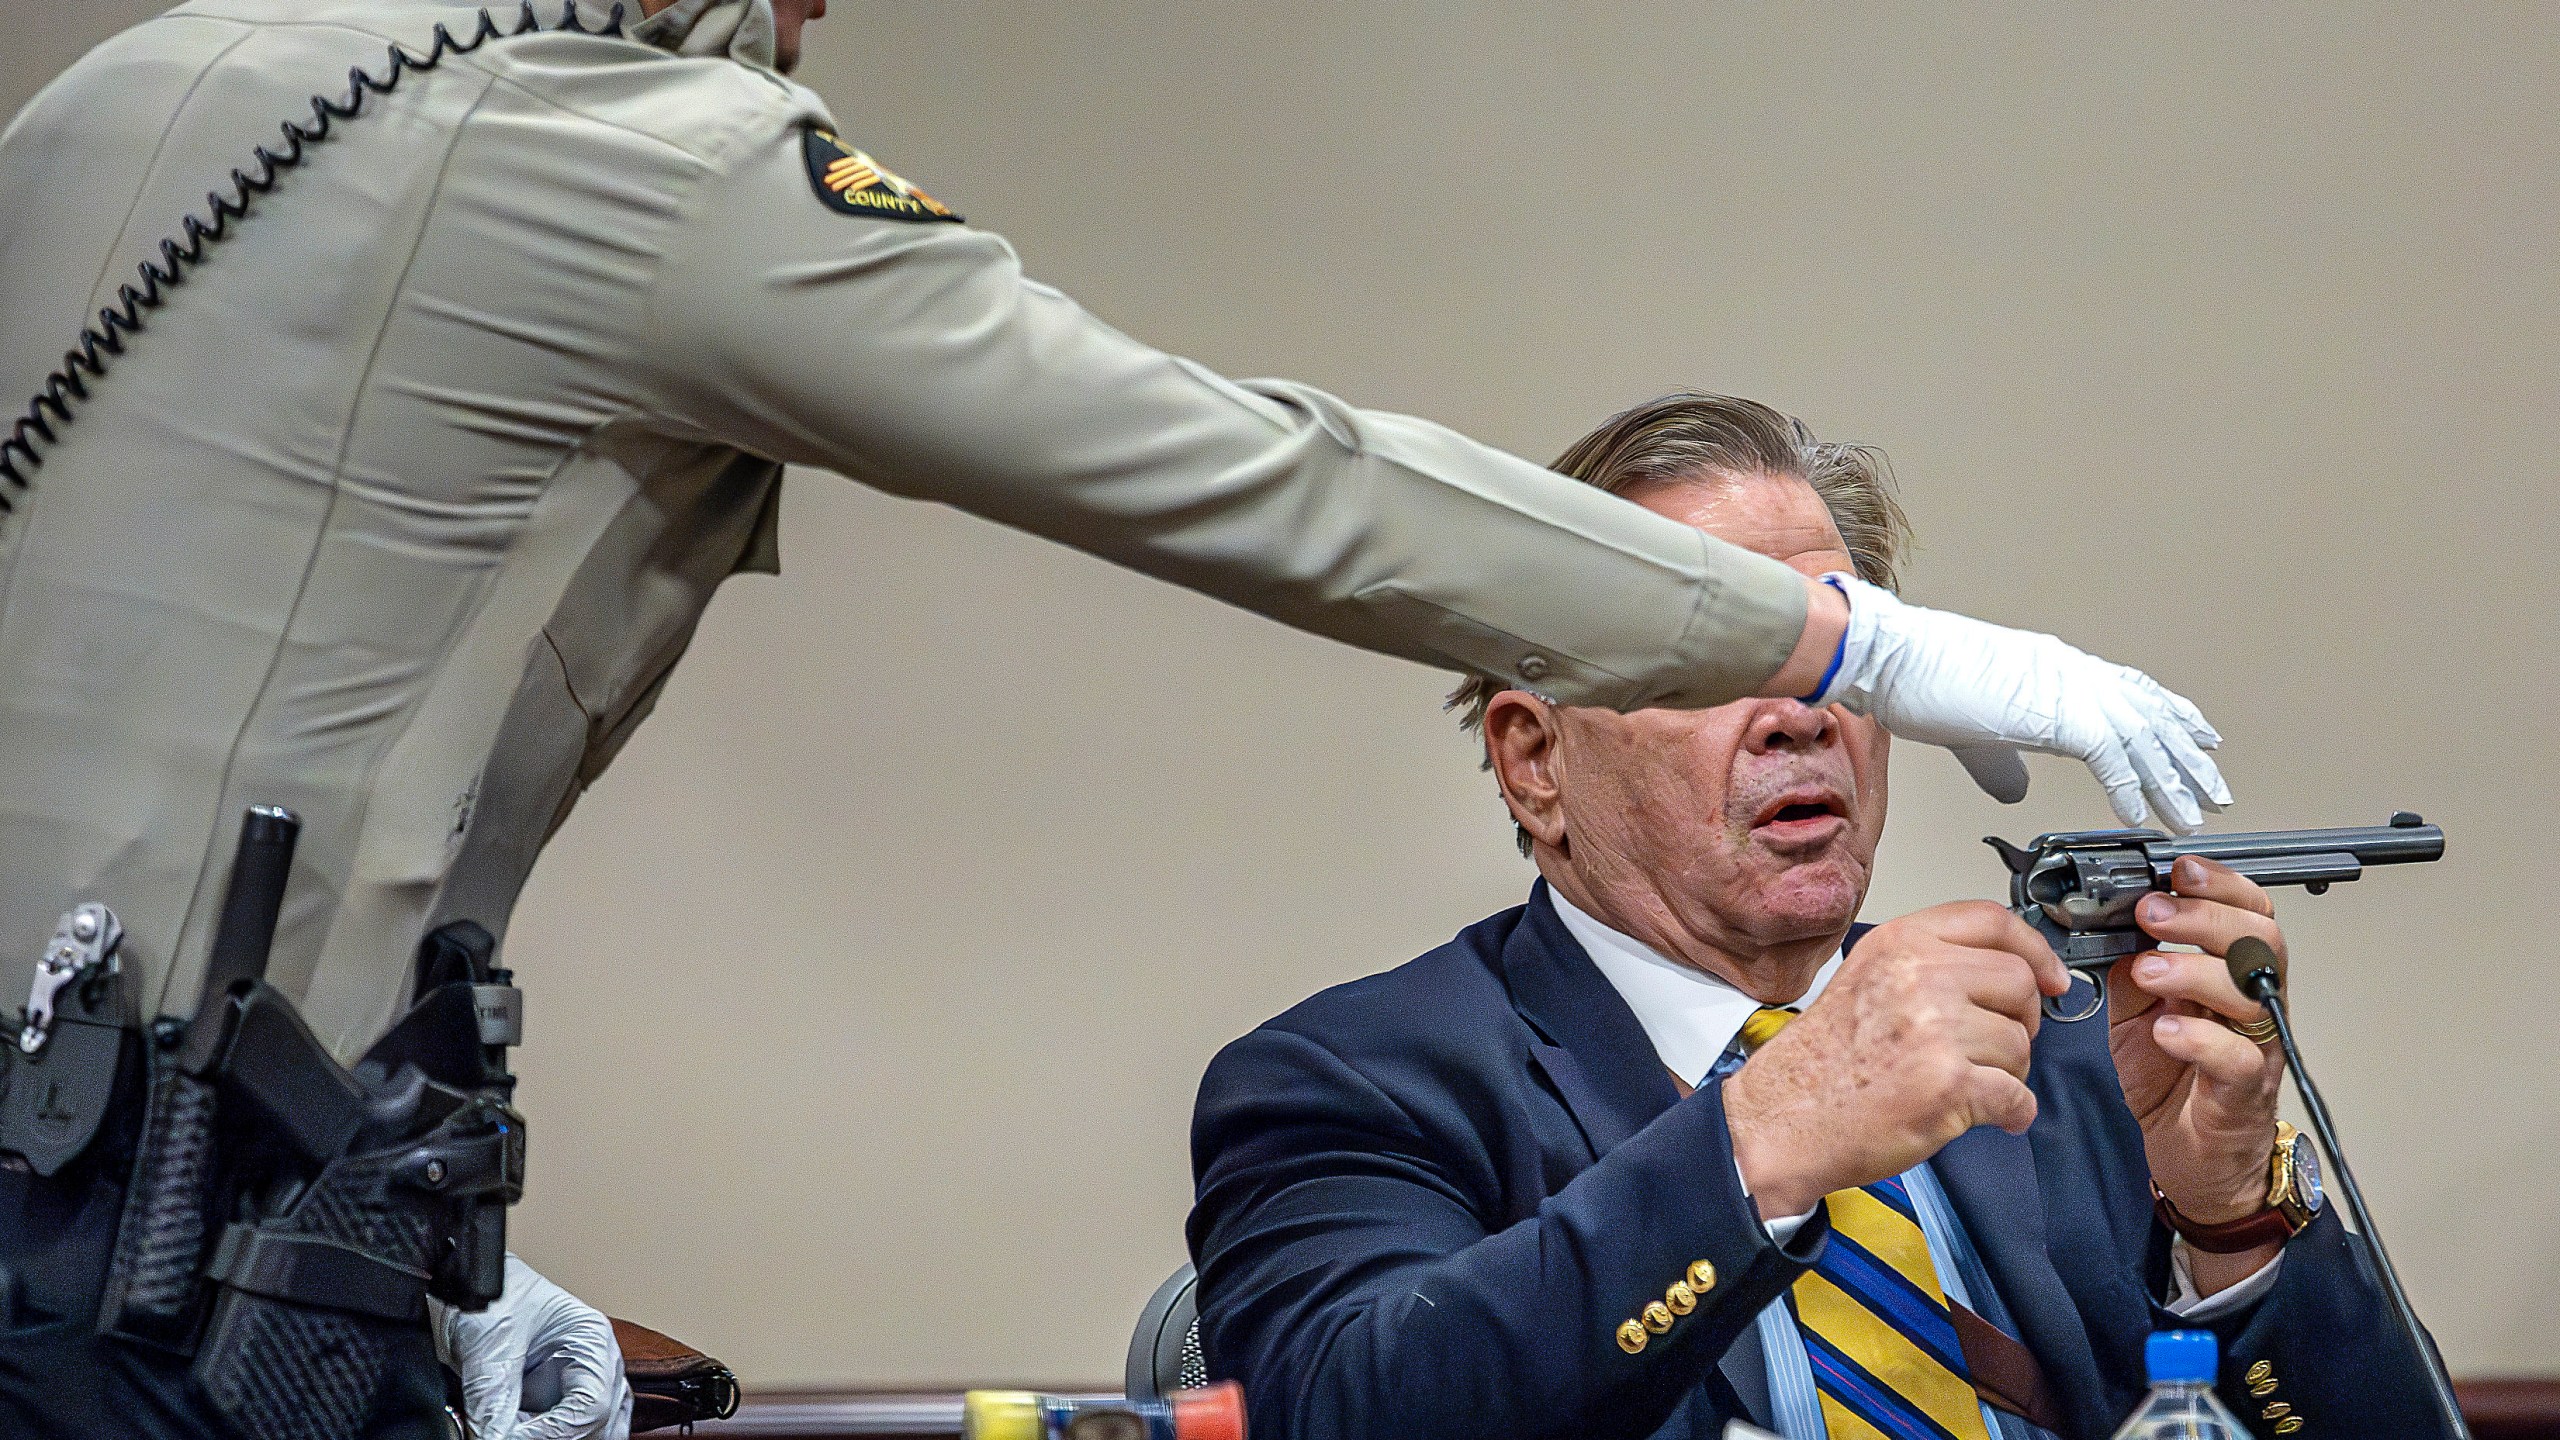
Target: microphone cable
{"points": [[2253, 963]]}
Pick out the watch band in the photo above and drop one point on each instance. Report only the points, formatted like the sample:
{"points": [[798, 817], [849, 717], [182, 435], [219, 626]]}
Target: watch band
{"points": [[2270, 1226], [2292, 1200]]}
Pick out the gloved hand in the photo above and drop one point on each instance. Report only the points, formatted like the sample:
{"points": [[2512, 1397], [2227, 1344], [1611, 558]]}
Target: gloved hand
{"points": [[535, 1324], [1986, 692]]}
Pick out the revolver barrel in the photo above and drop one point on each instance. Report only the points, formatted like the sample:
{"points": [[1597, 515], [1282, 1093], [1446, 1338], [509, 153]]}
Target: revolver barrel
{"points": [[2314, 858]]}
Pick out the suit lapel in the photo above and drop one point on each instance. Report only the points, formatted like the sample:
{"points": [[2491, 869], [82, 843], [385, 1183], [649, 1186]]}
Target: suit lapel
{"points": [[1584, 1037], [1603, 1065], [1990, 1179], [1989, 1176]]}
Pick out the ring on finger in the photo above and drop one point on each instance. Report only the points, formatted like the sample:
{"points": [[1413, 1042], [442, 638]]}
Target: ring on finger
{"points": [[2256, 1032]]}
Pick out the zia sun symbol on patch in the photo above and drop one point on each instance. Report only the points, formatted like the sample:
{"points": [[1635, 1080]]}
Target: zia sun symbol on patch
{"points": [[853, 183]]}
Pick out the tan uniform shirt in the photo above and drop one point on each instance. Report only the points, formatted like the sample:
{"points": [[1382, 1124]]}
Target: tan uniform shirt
{"points": [[400, 510]]}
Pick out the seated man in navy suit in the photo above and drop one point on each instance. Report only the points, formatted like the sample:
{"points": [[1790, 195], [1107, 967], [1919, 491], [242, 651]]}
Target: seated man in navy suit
{"points": [[1658, 1151]]}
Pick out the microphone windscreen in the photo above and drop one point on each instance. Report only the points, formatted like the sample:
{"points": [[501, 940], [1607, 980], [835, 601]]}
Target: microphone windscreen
{"points": [[2250, 957]]}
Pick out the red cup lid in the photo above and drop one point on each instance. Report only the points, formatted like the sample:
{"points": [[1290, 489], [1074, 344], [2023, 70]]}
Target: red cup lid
{"points": [[1213, 1412]]}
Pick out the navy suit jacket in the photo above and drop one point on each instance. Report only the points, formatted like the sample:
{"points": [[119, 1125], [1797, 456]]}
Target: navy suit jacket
{"points": [[1427, 1200]]}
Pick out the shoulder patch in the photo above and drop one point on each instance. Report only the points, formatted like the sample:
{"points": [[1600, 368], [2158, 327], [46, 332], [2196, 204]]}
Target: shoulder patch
{"points": [[852, 183]]}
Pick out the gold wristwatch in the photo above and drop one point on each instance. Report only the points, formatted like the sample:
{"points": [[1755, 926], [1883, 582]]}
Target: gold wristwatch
{"points": [[2294, 1198]]}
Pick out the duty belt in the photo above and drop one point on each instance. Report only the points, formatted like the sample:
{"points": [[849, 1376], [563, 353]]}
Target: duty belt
{"points": [[287, 1218]]}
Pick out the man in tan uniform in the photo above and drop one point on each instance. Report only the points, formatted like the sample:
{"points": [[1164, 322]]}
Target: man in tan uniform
{"points": [[397, 511]]}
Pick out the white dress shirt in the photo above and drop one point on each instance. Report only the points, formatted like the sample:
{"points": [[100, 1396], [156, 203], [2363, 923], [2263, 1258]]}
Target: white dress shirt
{"points": [[1692, 1017]]}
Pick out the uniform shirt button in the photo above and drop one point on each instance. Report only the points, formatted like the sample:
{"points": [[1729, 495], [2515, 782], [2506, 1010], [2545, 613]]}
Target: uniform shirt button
{"points": [[1657, 1317], [1631, 1338], [1702, 1275], [1680, 1297], [1533, 667]]}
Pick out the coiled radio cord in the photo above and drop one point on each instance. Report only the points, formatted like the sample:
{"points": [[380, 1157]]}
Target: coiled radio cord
{"points": [[52, 407]]}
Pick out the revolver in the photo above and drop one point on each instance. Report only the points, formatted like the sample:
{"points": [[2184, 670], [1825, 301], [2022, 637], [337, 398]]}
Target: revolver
{"points": [[2079, 887]]}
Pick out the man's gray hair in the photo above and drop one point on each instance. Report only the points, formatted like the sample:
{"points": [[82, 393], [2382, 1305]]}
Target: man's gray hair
{"points": [[1689, 436]]}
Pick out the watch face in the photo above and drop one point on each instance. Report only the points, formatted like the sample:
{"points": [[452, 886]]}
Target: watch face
{"points": [[2306, 1175]]}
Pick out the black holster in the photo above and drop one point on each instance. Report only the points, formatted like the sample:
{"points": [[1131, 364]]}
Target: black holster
{"points": [[288, 1217]]}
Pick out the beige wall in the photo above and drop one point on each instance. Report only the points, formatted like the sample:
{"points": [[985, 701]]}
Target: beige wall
{"points": [[868, 994]]}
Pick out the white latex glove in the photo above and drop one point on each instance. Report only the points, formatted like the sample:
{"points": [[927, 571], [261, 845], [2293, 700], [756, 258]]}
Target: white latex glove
{"points": [[536, 1323], [1986, 691]]}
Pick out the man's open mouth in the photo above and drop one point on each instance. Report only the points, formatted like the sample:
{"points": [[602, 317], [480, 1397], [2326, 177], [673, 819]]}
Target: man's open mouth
{"points": [[1805, 813]]}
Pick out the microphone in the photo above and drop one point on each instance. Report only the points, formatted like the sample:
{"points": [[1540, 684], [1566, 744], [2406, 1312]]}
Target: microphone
{"points": [[2250, 959], [2259, 972]]}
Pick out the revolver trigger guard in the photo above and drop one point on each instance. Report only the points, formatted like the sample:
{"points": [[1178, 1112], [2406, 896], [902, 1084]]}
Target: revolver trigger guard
{"points": [[2097, 998]]}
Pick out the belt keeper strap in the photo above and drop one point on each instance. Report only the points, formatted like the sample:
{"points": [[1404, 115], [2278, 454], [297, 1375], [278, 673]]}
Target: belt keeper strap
{"points": [[500, 1011], [309, 1270]]}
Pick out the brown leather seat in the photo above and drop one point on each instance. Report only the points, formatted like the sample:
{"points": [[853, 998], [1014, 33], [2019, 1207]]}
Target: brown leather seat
{"points": [[672, 1383]]}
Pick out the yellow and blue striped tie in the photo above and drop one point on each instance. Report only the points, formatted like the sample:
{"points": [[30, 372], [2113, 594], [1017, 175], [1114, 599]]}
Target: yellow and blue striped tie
{"points": [[1885, 1357]]}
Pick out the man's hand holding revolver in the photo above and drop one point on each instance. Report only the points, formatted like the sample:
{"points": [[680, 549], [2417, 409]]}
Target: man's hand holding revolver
{"points": [[2206, 1095], [1922, 1034], [1927, 1028]]}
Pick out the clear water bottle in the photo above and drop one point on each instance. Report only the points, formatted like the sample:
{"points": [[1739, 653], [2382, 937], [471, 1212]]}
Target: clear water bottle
{"points": [[2181, 1405]]}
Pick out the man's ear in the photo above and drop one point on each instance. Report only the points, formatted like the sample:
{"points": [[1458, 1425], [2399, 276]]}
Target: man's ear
{"points": [[1523, 737]]}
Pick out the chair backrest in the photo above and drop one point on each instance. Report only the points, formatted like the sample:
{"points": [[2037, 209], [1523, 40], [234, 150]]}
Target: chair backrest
{"points": [[1164, 1352]]}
